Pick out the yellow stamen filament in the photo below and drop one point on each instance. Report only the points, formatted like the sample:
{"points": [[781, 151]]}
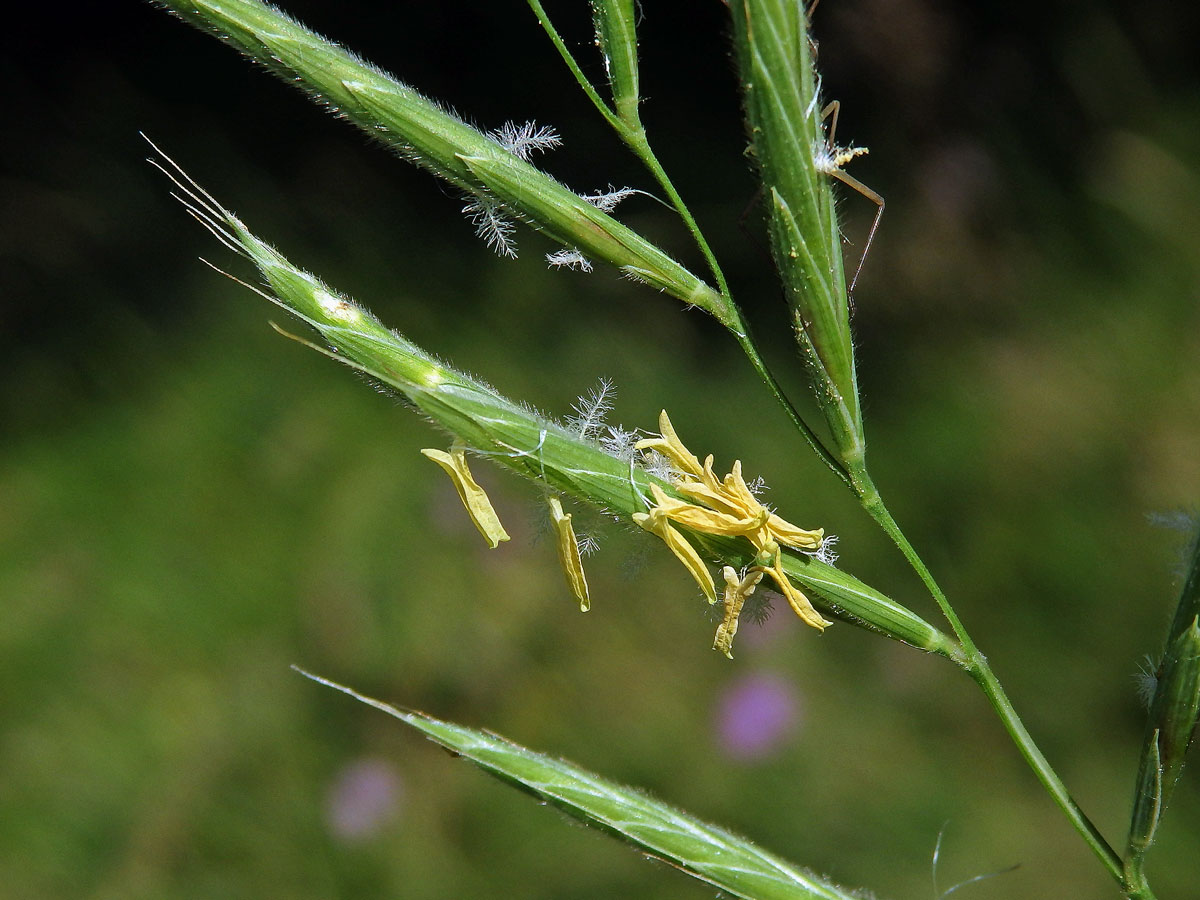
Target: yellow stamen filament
{"points": [[568, 554], [474, 498]]}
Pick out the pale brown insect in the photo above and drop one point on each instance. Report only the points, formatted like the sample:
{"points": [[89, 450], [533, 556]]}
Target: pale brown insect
{"points": [[830, 159]]}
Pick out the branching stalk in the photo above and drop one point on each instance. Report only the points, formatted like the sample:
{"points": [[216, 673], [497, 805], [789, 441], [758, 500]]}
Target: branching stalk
{"points": [[628, 126], [976, 665]]}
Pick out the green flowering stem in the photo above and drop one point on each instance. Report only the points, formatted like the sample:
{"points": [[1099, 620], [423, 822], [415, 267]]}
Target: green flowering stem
{"points": [[514, 436], [544, 20], [842, 595], [814, 442], [1136, 887], [427, 134], [619, 44], [616, 35], [977, 666], [638, 142], [797, 168], [797, 165], [424, 132]]}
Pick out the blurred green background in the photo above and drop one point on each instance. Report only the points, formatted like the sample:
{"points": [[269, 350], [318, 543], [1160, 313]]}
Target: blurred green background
{"points": [[189, 504]]}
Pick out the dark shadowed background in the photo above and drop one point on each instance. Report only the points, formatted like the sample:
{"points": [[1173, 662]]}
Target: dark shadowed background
{"points": [[189, 504]]}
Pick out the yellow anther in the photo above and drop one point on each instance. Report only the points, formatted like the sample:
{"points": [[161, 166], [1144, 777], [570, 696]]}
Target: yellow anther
{"points": [[799, 603], [699, 518], [669, 445], [727, 507], [790, 536], [737, 589], [568, 554], [474, 498], [656, 523]]}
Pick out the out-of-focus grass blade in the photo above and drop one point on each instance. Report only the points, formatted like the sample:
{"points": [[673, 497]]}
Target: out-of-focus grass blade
{"points": [[704, 851], [1171, 724]]}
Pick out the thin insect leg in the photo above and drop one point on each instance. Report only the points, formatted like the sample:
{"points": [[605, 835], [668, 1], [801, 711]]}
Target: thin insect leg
{"points": [[833, 108], [813, 49], [745, 214], [875, 197]]}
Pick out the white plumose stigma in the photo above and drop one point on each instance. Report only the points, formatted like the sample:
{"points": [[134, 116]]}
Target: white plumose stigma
{"points": [[589, 411], [607, 201], [490, 224], [523, 140], [619, 442], [658, 465], [569, 259], [1146, 679], [825, 553]]}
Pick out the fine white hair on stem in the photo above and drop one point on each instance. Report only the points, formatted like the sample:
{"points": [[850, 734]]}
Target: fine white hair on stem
{"points": [[490, 223], [526, 139]]}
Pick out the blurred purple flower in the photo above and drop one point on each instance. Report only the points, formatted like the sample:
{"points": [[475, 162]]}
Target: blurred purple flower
{"points": [[364, 796], [756, 715]]}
